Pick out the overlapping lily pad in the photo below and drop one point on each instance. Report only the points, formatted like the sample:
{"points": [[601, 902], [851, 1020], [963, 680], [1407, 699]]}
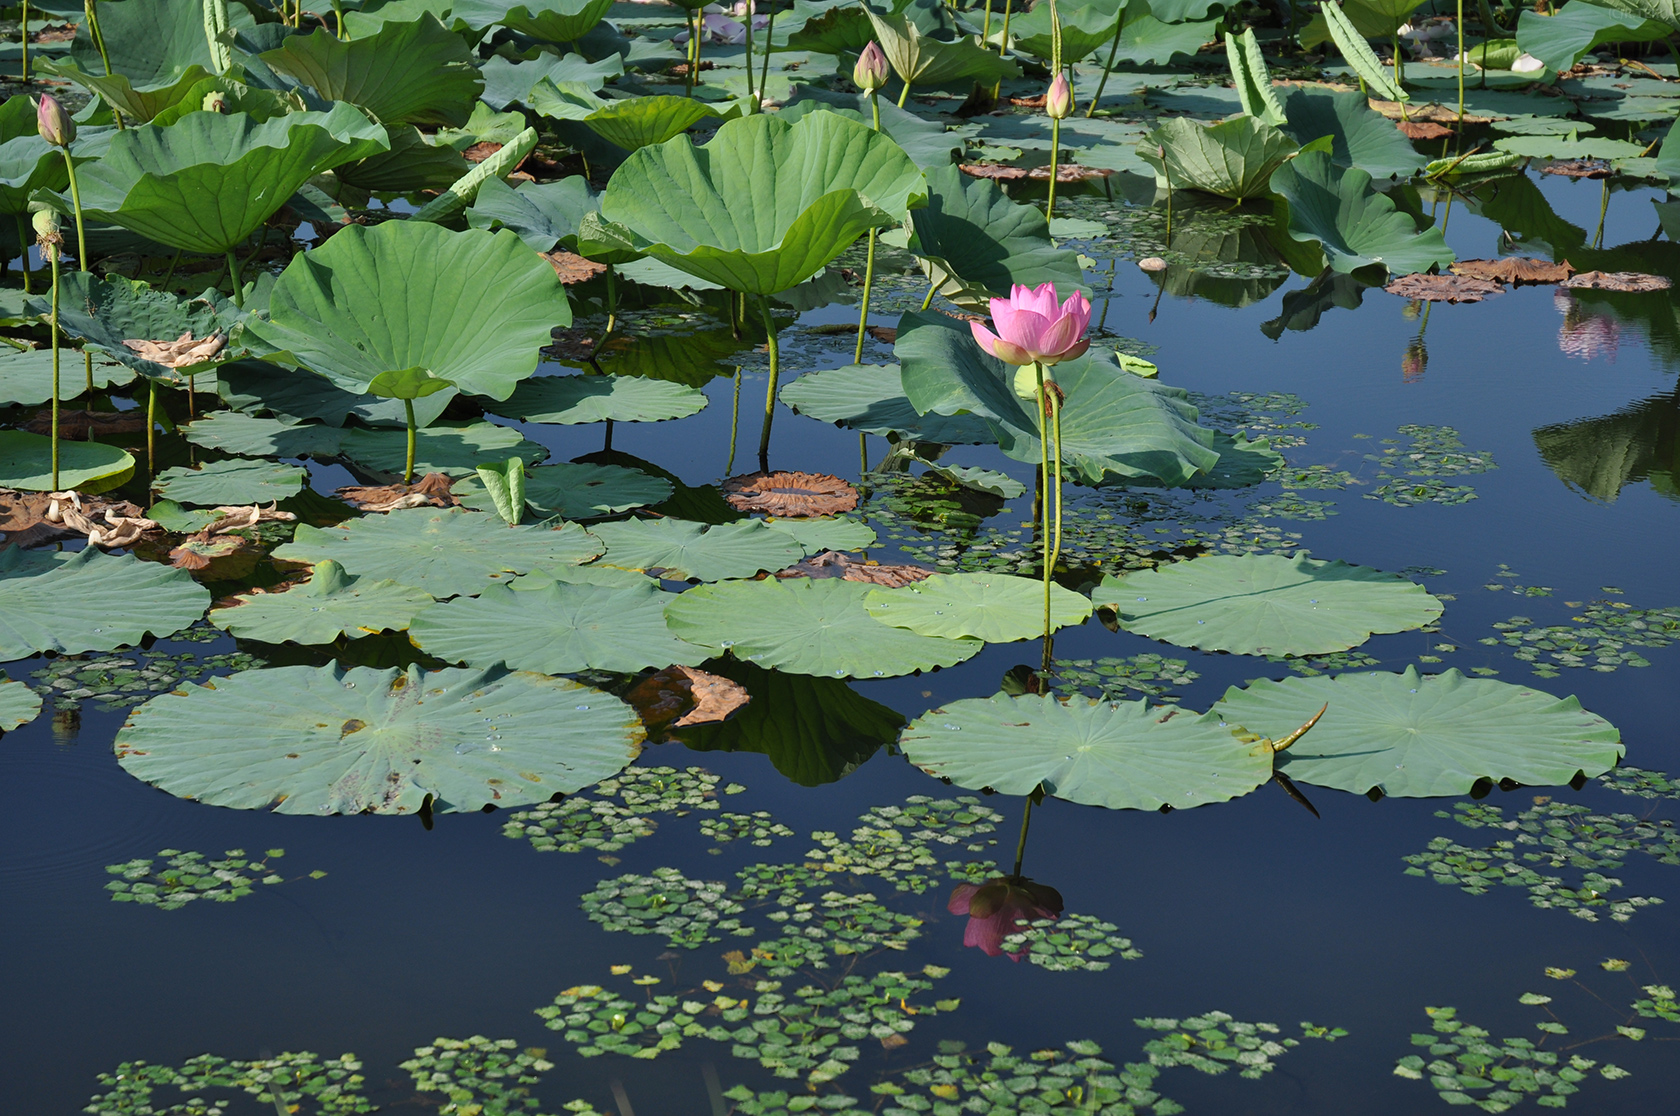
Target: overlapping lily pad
{"points": [[18, 703], [331, 604], [1415, 736], [26, 377], [320, 740], [576, 491], [996, 608], [454, 448], [94, 602], [574, 399], [870, 398], [806, 626], [236, 481], [1265, 604], [1123, 756], [694, 551]]}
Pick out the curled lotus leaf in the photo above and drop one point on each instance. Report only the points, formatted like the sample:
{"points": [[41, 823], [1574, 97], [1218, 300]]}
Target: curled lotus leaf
{"points": [[237, 481], [684, 550], [108, 313], [320, 740], [997, 608], [1355, 225], [790, 494], [1122, 755], [1515, 269], [1265, 604], [1631, 281], [1418, 736], [406, 72], [330, 604], [445, 551], [18, 704], [94, 602]]}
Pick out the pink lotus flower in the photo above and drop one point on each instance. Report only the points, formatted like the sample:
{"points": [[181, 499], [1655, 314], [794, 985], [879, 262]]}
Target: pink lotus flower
{"points": [[998, 907], [1031, 327], [1058, 101]]}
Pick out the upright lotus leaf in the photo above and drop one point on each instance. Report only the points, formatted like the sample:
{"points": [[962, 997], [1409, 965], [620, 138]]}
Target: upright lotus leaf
{"points": [[1661, 11], [573, 399], [682, 550], [415, 73], [927, 142], [870, 398], [445, 551], [1371, 19], [1418, 736], [977, 244], [102, 313], [1354, 224], [18, 704], [551, 21], [234, 482], [557, 628], [574, 491], [321, 740], [807, 626], [762, 207], [1359, 136], [1121, 756], [94, 602], [997, 608], [1265, 604], [922, 55], [471, 307], [1148, 39], [1115, 425], [1252, 79], [332, 603], [208, 182], [1351, 42], [1085, 27], [542, 214], [1234, 158], [1563, 38], [637, 122], [26, 462]]}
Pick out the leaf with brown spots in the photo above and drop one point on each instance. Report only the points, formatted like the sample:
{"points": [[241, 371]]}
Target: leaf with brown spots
{"points": [[1422, 129], [790, 494], [1515, 269], [573, 268], [431, 490], [1443, 288], [215, 557], [681, 696], [1579, 168], [997, 172], [832, 563], [1633, 281], [183, 352]]}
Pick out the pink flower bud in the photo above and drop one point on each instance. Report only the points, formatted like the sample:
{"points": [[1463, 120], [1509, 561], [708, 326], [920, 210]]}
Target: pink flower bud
{"points": [[1058, 102], [54, 123], [1031, 326], [871, 71]]}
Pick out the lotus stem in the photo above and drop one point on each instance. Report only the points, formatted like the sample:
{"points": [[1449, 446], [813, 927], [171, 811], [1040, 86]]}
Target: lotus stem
{"points": [[869, 260], [612, 303], [863, 456], [769, 37], [151, 426], [904, 94], [233, 275], [986, 26], [1021, 844], [699, 34], [1113, 52], [688, 78], [24, 36], [76, 203], [1003, 42], [1461, 63], [170, 274], [52, 254], [734, 424], [1055, 156], [92, 10], [408, 467], [23, 249], [927, 300], [1603, 206], [770, 388], [751, 96]]}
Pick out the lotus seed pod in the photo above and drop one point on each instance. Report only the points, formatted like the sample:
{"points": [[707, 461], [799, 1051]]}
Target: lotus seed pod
{"points": [[45, 222], [54, 123], [1058, 102], [871, 71]]}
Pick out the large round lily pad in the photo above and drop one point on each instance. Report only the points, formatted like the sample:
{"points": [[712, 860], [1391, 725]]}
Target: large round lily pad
{"points": [[997, 608], [1122, 755], [318, 740], [330, 604], [231, 482], [95, 602], [26, 377], [692, 550], [445, 551], [18, 704], [574, 491], [1416, 736], [1265, 604], [557, 629], [573, 399], [808, 627], [454, 448], [26, 463]]}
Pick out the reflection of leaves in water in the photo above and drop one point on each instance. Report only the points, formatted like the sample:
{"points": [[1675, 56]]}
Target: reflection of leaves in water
{"points": [[1600, 456], [120, 680], [1301, 310]]}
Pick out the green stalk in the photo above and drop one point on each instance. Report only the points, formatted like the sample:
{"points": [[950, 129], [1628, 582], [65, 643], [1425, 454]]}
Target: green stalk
{"points": [[863, 456], [769, 35], [927, 300], [770, 388], [1021, 844], [699, 34], [92, 10], [734, 424], [986, 27], [25, 37], [52, 254], [23, 246], [1056, 464], [1044, 512], [1461, 63], [903, 94], [151, 426], [1055, 155], [76, 203], [233, 274], [1113, 52], [693, 64], [408, 467], [751, 96], [869, 264], [1003, 43]]}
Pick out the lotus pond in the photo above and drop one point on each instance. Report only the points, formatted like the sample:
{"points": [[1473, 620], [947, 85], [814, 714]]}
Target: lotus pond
{"points": [[923, 558]]}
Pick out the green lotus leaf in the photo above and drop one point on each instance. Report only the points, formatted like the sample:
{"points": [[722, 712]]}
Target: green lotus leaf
{"points": [[829, 532], [94, 602], [1147, 39], [870, 398], [26, 463], [1234, 158], [26, 376], [1661, 11], [542, 214], [1360, 136], [454, 448], [1115, 426], [1418, 736], [330, 604], [762, 207], [1570, 146], [1372, 19], [568, 400], [412, 163], [807, 626], [415, 72], [320, 740], [1252, 79], [573, 491], [976, 244], [445, 551], [259, 104], [693, 551], [1122, 756], [249, 436], [921, 53], [472, 307], [18, 704], [1265, 604], [840, 29], [408, 383], [814, 730], [105, 312], [927, 142], [557, 629], [1241, 463], [1563, 38], [551, 21], [508, 82], [1354, 224], [997, 608], [636, 122], [27, 162], [1084, 28], [239, 481]]}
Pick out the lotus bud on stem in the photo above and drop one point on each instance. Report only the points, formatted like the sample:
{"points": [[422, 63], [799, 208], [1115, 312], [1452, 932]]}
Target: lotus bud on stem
{"points": [[50, 240], [869, 75], [1058, 106]]}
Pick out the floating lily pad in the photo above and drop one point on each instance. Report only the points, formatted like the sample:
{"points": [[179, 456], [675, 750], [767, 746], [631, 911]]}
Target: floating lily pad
{"points": [[870, 398], [95, 602], [557, 629], [445, 551], [1416, 736], [997, 608], [90, 467], [231, 482], [18, 704], [574, 491], [1124, 756], [331, 604], [26, 377], [1266, 604], [453, 448], [575, 399], [694, 551], [319, 740], [808, 626], [826, 533]]}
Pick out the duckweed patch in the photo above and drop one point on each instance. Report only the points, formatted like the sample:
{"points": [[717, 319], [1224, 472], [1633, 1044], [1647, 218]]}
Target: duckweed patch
{"points": [[187, 876]]}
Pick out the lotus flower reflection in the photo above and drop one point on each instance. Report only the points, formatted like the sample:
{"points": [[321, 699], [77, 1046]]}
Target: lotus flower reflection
{"points": [[999, 907], [1033, 328]]}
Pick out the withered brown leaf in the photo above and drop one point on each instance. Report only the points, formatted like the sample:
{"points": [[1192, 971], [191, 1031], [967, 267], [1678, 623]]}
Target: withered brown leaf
{"points": [[1515, 269], [1443, 288], [790, 494]]}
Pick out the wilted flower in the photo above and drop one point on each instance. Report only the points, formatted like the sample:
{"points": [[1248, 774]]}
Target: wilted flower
{"points": [[46, 224], [870, 73], [1031, 326], [998, 907], [54, 123], [1058, 102], [1583, 334]]}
